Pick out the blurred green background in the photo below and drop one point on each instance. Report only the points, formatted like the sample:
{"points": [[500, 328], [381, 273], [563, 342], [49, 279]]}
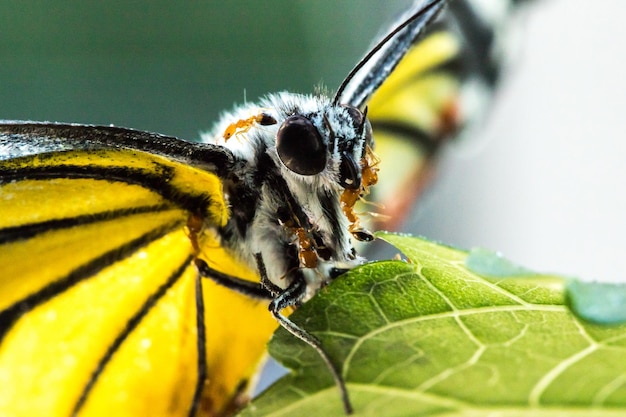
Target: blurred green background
{"points": [[172, 67]]}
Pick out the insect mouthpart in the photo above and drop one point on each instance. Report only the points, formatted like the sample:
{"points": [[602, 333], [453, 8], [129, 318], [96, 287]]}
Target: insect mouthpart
{"points": [[368, 176]]}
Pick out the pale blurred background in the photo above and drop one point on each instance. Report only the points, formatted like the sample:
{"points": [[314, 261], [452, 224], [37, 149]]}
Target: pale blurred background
{"points": [[546, 184], [543, 182]]}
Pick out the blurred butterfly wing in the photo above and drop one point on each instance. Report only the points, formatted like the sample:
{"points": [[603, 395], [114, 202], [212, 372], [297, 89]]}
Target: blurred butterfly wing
{"points": [[412, 115], [441, 86], [102, 311]]}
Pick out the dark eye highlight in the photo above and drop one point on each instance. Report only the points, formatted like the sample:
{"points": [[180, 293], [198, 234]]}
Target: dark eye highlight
{"points": [[300, 146], [349, 173]]}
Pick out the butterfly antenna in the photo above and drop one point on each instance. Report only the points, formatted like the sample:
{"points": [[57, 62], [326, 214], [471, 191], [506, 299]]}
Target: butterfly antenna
{"points": [[379, 46]]}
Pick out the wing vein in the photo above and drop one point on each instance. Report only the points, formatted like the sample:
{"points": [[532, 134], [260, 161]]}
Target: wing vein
{"points": [[10, 315], [201, 345], [30, 230], [131, 325]]}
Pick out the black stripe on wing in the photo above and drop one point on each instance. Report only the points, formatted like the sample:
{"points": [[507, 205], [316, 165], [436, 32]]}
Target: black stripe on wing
{"points": [[10, 315], [158, 181], [132, 324], [411, 132], [201, 345], [479, 37], [30, 230]]}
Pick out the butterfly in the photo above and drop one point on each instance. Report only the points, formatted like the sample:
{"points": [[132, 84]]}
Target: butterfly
{"points": [[125, 253]]}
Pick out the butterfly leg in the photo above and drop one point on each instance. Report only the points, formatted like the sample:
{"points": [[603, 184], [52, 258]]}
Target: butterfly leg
{"points": [[249, 288], [283, 299], [289, 297]]}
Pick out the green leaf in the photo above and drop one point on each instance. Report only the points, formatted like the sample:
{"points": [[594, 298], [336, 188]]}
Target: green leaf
{"points": [[430, 337]]}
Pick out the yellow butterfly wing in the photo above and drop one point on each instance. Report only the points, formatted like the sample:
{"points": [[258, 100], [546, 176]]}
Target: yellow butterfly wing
{"points": [[441, 86], [101, 308]]}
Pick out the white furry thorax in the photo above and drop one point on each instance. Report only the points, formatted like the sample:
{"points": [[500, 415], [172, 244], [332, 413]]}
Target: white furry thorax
{"points": [[265, 234]]}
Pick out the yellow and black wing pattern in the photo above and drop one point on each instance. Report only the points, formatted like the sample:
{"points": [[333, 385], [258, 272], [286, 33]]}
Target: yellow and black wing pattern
{"points": [[101, 308], [442, 86]]}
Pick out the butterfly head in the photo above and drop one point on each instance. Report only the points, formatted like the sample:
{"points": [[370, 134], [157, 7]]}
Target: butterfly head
{"points": [[330, 142]]}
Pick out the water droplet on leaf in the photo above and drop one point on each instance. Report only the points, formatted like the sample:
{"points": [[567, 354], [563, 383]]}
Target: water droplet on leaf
{"points": [[487, 262], [599, 302]]}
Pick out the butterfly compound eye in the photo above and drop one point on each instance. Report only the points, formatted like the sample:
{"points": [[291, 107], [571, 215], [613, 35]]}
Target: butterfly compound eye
{"points": [[300, 146]]}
